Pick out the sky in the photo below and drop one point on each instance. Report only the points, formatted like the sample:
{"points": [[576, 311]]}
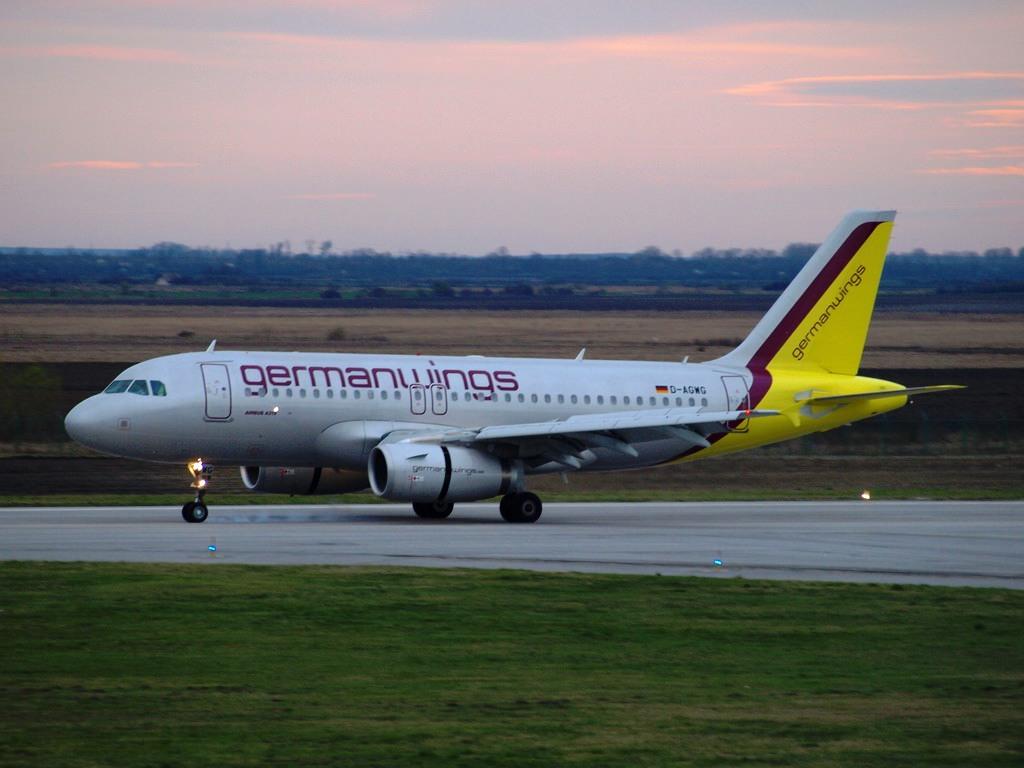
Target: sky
{"points": [[468, 125]]}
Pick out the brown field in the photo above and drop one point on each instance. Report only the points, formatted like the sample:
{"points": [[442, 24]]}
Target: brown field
{"points": [[76, 333]]}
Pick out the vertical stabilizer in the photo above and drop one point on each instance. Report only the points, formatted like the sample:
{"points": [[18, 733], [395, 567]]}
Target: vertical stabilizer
{"points": [[821, 320]]}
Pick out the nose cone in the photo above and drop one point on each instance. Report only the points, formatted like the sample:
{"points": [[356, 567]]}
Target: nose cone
{"points": [[82, 422]]}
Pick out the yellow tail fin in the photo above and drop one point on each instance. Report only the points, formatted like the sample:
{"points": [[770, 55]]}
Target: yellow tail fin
{"points": [[821, 320]]}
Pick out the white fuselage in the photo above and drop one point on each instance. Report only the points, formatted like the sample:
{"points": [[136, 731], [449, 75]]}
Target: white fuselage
{"points": [[274, 408]]}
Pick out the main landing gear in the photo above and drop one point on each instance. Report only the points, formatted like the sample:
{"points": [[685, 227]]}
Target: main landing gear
{"points": [[514, 507], [521, 507], [196, 511]]}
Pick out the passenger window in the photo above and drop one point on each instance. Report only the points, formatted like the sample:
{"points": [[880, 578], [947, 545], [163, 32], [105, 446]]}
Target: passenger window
{"points": [[521, 397], [612, 399], [561, 398], [679, 401], [316, 394], [384, 395], [547, 398], [369, 395], [288, 392], [160, 390], [455, 395], [138, 387], [586, 399], [343, 393], [330, 394], [625, 400], [118, 386], [533, 398], [573, 399], [652, 401], [277, 392], [355, 394], [664, 401], [692, 402], [600, 399], [508, 398], [302, 392], [703, 401]]}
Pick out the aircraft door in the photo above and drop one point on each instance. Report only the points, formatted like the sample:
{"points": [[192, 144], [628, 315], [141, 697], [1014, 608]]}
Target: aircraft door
{"points": [[736, 393], [438, 400], [418, 399], [737, 398], [218, 391]]}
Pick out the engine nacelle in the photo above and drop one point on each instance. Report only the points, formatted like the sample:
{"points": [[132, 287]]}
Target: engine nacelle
{"points": [[410, 472], [303, 480]]}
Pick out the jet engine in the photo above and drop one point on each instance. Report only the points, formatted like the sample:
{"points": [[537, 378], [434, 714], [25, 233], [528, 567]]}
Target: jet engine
{"points": [[426, 473], [303, 480]]}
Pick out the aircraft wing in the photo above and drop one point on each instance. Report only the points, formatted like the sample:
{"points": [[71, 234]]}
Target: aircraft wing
{"points": [[905, 392], [569, 441]]}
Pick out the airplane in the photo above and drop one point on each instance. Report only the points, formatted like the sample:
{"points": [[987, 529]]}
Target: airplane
{"points": [[439, 430]]}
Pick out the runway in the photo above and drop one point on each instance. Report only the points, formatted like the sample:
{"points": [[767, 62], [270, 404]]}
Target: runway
{"points": [[947, 543]]}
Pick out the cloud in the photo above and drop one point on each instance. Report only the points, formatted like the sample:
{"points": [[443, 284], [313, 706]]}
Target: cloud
{"points": [[1003, 170], [995, 118], [710, 42], [119, 165], [903, 91], [982, 153], [334, 196], [96, 53]]}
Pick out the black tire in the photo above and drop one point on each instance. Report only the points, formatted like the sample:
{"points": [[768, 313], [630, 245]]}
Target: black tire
{"points": [[521, 508], [432, 510], [195, 512]]}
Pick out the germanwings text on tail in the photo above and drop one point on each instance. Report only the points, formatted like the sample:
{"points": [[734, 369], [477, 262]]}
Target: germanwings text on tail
{"points": [[435, 430]]}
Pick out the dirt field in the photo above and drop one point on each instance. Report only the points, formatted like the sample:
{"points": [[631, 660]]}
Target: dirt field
{"points": [[47, 333]]}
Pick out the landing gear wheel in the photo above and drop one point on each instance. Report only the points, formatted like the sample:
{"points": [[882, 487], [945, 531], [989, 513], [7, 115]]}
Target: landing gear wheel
{"points": [[521, 507], [432, 510], [195, 512]]}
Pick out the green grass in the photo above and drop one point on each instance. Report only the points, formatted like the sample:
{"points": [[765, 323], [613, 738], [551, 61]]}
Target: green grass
{"points": [[725, 494], [213, 664]]}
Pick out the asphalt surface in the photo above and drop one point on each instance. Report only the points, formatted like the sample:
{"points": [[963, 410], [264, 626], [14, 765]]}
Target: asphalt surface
{"points": [[948, 543]]}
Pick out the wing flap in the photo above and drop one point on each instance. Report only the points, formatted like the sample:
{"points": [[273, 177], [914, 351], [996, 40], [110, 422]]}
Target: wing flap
{"points": [[613, 422]]}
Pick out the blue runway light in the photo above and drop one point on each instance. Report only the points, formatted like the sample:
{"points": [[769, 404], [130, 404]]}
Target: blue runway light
{"points": [[717, 562], [212, 547]]}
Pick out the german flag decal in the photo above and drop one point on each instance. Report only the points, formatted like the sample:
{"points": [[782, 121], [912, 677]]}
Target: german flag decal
{"points": [[661, 390]]}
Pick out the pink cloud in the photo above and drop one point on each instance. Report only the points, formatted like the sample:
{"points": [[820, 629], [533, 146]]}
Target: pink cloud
{"points": [[995, 118], [96, 53], [888, 91], [718, 41], [1004, 170], [334, 196], [981, 153], [119, 165]]}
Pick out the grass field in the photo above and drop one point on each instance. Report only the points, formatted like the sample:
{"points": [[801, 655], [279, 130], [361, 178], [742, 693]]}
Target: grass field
{"points": [[44, 333], [134, 665]]}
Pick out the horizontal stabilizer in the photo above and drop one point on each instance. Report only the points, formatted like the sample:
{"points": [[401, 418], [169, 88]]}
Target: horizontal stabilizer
{"points": [[905, 392]]}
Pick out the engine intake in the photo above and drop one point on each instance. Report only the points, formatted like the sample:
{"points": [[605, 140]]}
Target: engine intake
{"points": [[410, 472], [303, 480]]}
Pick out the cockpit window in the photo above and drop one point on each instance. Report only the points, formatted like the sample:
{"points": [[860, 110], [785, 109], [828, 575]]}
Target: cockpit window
{"points": [[120, 385], [159, 390], [139, 387]]}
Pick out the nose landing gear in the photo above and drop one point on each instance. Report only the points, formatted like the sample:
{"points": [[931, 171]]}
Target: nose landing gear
{"points": [[196, 511]]}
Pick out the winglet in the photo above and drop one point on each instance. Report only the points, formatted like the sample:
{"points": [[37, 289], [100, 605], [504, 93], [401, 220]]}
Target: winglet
{"points": [[213, 345], [581, 353]]}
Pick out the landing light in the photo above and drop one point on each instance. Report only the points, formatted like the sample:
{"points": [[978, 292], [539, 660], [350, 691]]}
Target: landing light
{"points": [[866, 495], [275, 409], [195, 467]]}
